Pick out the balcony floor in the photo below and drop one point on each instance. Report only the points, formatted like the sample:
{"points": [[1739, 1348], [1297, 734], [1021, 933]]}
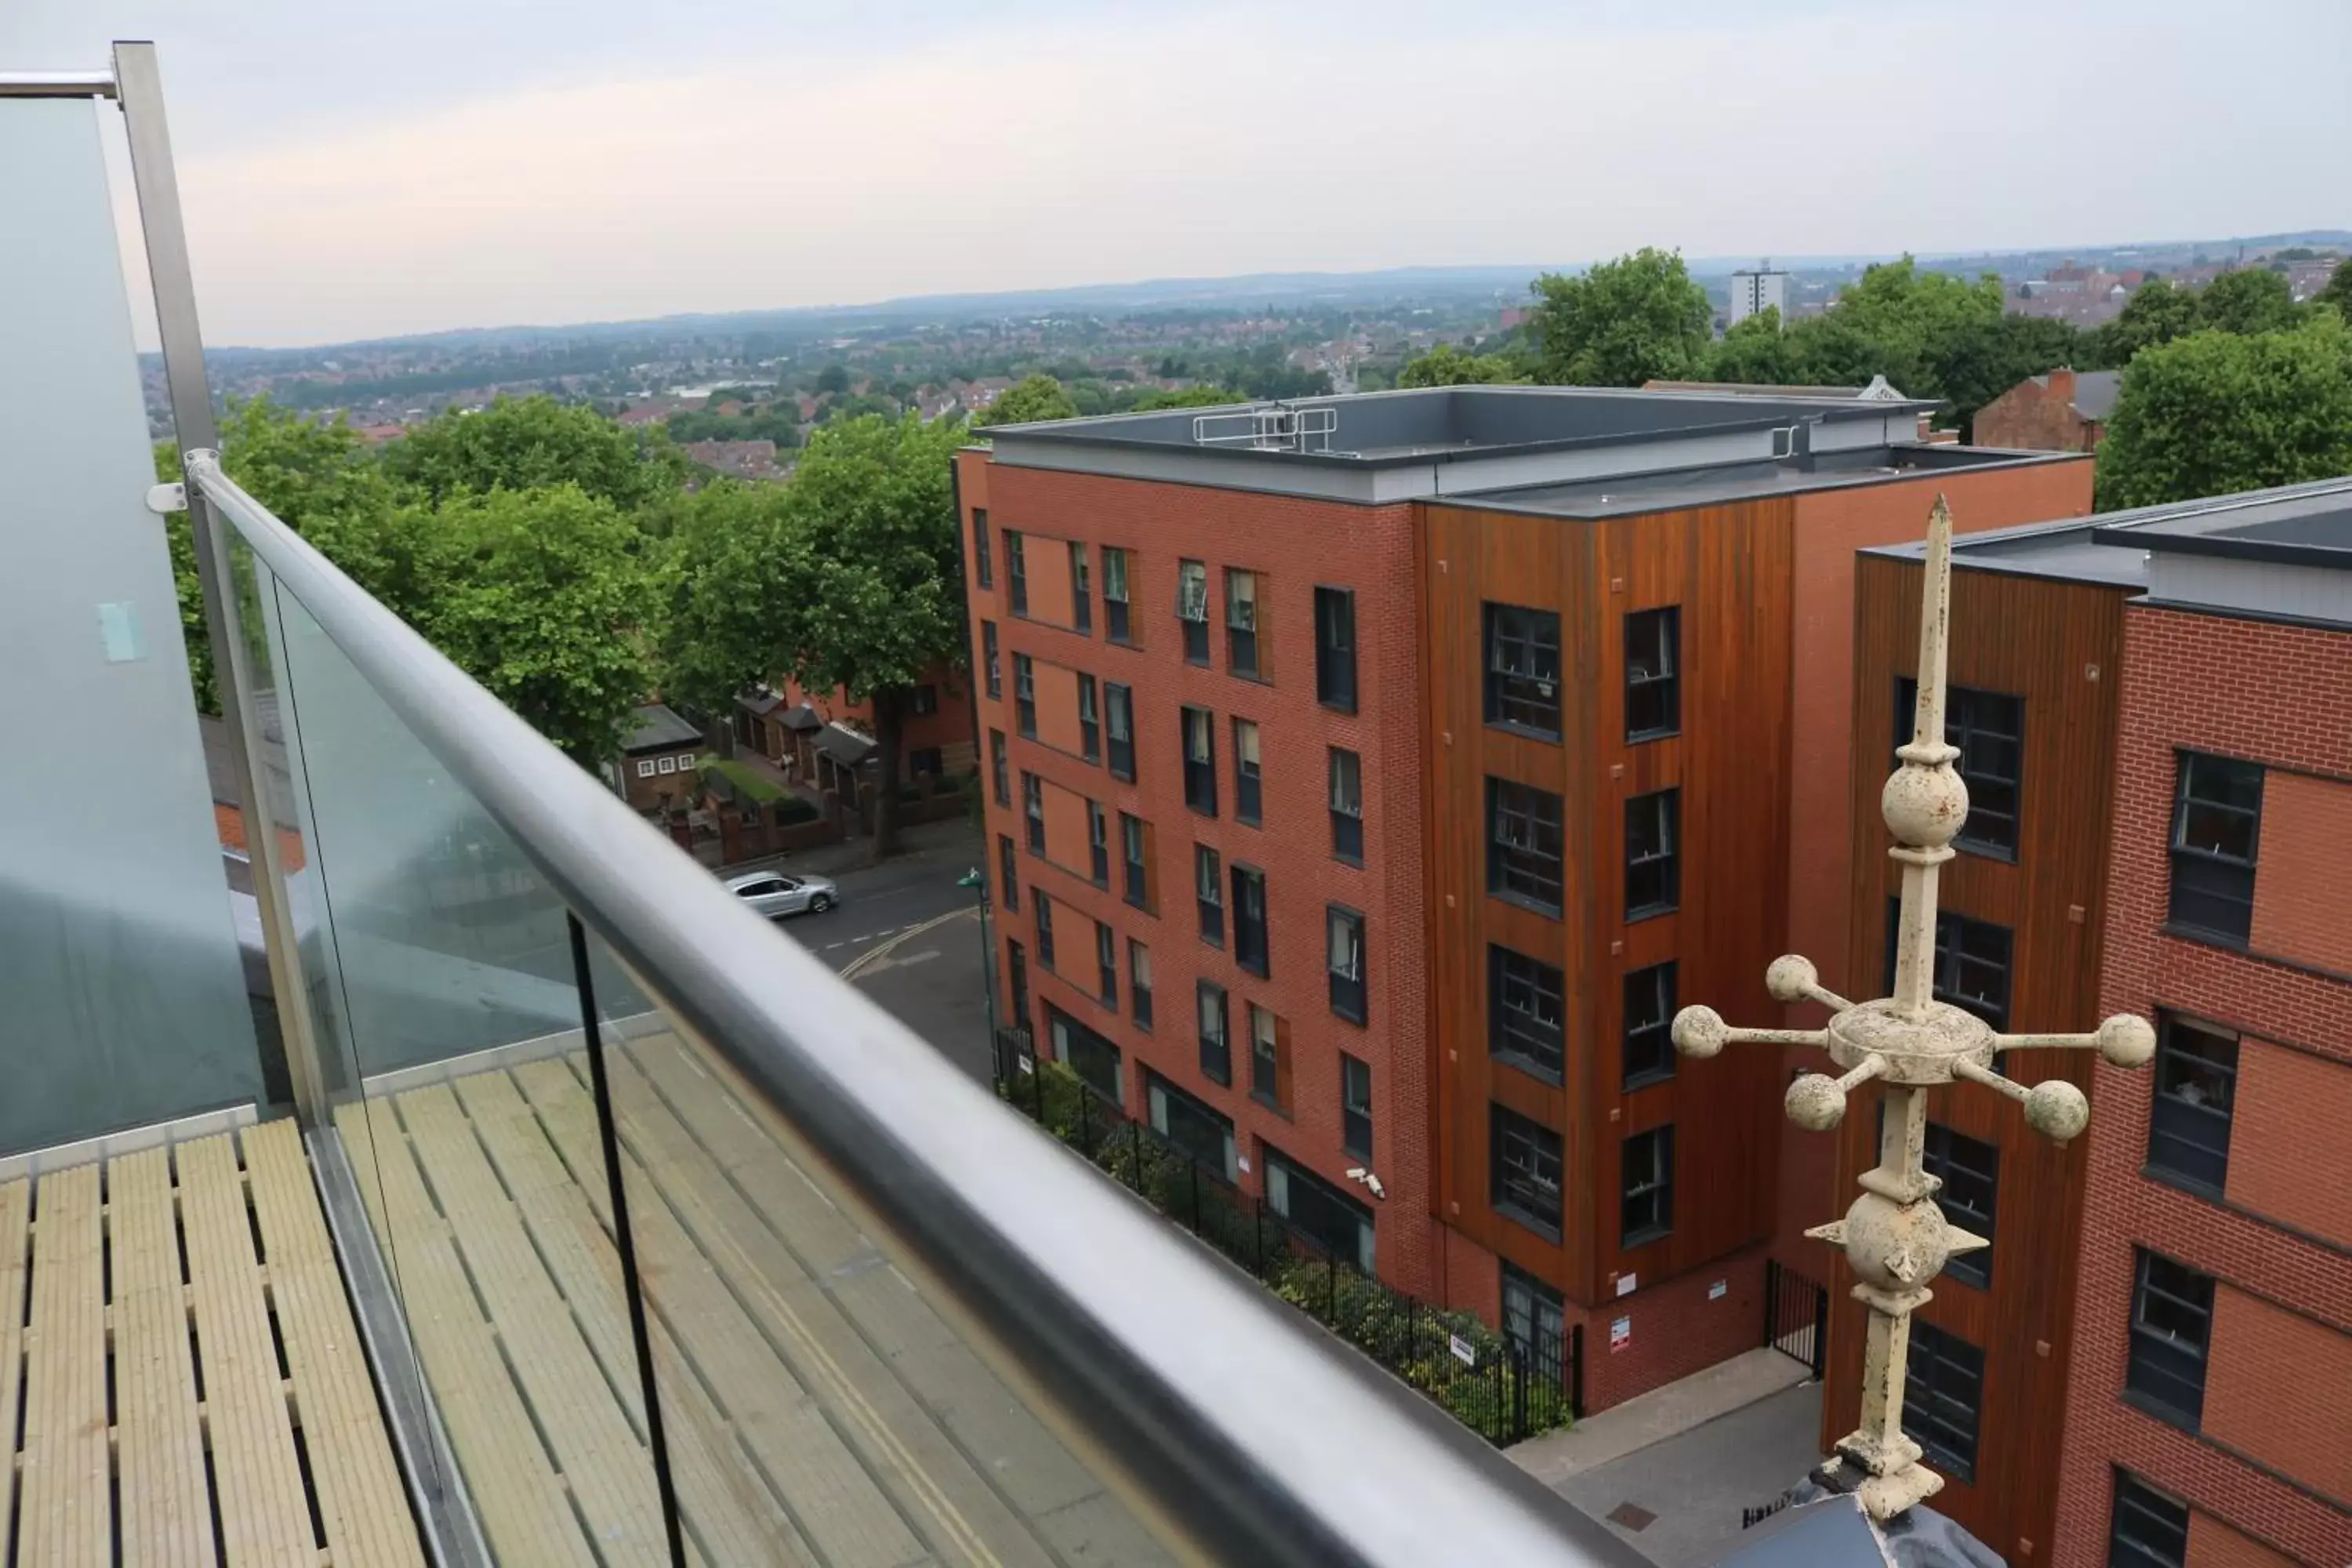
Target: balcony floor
{"points": [[174, 1336]]}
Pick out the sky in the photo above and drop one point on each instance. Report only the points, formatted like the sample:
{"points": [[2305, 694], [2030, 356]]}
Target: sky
{"points": [[352, 172]]}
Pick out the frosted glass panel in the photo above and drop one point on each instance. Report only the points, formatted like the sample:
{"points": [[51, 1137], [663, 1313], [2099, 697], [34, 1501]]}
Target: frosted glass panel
{"points": [[125, 995]]}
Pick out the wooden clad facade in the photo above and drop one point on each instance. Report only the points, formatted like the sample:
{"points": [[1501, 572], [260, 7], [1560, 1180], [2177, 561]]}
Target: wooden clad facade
{"points": [[2057, 645]]}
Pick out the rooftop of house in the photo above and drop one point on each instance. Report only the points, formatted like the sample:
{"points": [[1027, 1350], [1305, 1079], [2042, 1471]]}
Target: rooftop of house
{"points": [[656, 727]]}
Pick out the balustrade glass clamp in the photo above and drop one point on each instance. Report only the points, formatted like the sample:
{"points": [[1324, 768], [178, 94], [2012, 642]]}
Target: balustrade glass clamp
{"points": [[165, 499]]}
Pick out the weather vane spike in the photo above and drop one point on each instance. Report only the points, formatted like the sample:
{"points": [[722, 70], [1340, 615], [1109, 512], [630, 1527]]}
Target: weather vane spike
{"points": [[1895, 1237]]}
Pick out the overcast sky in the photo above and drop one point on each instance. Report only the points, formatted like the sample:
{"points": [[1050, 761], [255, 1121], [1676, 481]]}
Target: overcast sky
{"points": [[357, 171]]}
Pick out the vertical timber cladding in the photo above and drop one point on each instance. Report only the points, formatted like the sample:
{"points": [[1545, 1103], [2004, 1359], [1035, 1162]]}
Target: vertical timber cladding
{"points": [[2057, 645], [1728, 569]]}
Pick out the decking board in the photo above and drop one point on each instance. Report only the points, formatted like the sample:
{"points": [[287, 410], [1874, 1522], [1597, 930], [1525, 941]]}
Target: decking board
{"points": [[165, 1505]]}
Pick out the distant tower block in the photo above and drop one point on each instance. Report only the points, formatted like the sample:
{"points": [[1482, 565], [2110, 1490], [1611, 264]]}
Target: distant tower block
{"points": [[1895, 1237], [1753, 291]]}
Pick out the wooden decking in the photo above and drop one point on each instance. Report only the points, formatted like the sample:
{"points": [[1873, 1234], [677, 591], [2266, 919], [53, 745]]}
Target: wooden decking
{"points": [[817, 1411], [180, 1379]]}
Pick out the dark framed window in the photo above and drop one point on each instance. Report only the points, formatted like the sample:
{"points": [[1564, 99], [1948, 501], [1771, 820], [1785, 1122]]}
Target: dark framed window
{"points": [[1241, 623], [2171, 1330], [1524, 848], [1044, 912], [1649, 1019], [1138, 981], [1969, 1169], [1355, 1107], [1972, 963], [1135, 885], [2217, 823], [1524, 1157], [1318, 1211], [1535, 1319], [1989, 728], [1082, 599], [925, 760], [1249, 920], [1216, 1042], [2149, 1528], [999, 772], [1344, 956], [1199, 728], [1090, 720], [1653, 882], [1200, 1131], [1265, 1057], [1009, 875], [1943, 1386], [983, 558], [1654, 673], [1209, 890], [2196, 1096], [1192, 609], [1032, 803], [1335, 649], [1094, 1059], [1017, 967], [1025, 695], [1118, 713], [923, 700], [1523, 669], [1249, 778], [1347, 806], [995, 671], [1646, 1196], [1525, 1001], [1117, 621], [1099, 844], [1016, 571], [1107, 965]]}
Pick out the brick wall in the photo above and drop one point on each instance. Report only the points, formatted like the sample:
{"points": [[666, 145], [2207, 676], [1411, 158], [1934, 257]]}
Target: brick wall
{"points": [[1679, 1328], [2037, 417], [2212, 1544], [2293, 1159], [677, 788], [2303, 911], [2278, 1388]]}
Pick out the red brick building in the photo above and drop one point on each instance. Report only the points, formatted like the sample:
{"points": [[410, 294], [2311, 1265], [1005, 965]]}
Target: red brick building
{"points": [[2063, 411], [1378, 772]]}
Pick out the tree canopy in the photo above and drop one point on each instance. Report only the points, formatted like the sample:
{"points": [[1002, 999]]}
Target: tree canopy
{"points": [[2217, 412], [1621, 323], [1187, 397], [519, 444], [2250, 300], [1447, 365], [2337, 291], [1027, 401], [2157, 313]]}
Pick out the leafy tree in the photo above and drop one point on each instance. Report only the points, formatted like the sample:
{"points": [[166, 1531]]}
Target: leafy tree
{"points": [[520, 444], [1032, 399], [833, 379], [715, 637], [2337, 291], [1448, 365], [2248, 300], [1982, 358], [2157, 313], [1756, 350], [1187, 397], [1621, 323], [2216, 411]]}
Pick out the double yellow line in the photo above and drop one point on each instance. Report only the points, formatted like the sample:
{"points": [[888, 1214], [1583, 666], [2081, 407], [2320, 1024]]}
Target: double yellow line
{"points": [[882, 950]]}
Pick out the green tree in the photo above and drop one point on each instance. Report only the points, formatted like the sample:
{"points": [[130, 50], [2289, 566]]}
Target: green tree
{"points": [[1621, 323], [713, 584], [1187, 397], [2337, 291], [520, 444], [1979, 360], [1448, 365], [1027, 401], [2216, 411], [1755, 351], [832, 379], [2157, 313], [2250, 300]]}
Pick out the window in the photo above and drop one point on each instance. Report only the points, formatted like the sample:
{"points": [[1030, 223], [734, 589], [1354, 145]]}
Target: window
{"points": [[997, 770], [1344, 949], [1208, 879], [1318, 1211], [2149, 1528], [1082, 604], [1347, 806], [1647, 1206], [1016, 571], [991, 669], [1134, 883], [1266, 1073], [924, 700], [1044, 910], [2217, 818], [2171, 1324], [1943, 1383], [1192, 1127], [1649, 1020], [2196, 1090], [1241, 623], [980, 550], [1116, 619], [1118, 706], [667, 764], [644, 767], [1090, 720], [1525, 1174], [1018, 967], [1025, 695], [1989, 727], [1192, 609], [1335, 649], [1248, 780], [1099, 844], [1523, 669], [1523, 845], [1107, 965], [1971, 1172], [1200, 760], [1094, 1059], [1008, 874], [1217, 1048], [1535, 1319], [1033, 800], [1971, 963], [1249, 920], [924, 759], [1653, 669], [1524, 999], [1138, 981], [1652, 872], [1355, 1107]]}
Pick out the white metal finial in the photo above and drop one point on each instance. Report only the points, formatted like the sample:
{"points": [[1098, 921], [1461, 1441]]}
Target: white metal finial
{"points": [[1895, 1237]]}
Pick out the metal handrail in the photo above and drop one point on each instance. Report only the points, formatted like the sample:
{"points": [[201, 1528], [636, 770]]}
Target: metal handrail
{"points": [[1243, 1429]]}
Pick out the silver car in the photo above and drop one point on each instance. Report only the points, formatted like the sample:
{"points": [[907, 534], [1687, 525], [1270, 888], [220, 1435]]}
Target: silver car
{"points": [[776, 895]]}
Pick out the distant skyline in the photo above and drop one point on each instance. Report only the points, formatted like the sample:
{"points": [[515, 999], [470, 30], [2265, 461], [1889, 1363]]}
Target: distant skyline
{"points": [[486, 162]]}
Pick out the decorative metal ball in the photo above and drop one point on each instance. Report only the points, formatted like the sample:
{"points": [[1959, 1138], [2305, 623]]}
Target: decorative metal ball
{"points": [[2056, 1108], [1700, 1032], [1815, 1102], [1790, 978], [1895, 1247], [1924, 806], [2126, 1041]]}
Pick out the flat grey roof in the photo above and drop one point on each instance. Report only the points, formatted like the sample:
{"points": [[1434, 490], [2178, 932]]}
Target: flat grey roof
{"points": [[1711, 485]]}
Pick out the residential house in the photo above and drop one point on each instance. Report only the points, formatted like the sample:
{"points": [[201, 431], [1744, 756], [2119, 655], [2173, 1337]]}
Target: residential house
{"points": [[660, 765], [2065, 411]]}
